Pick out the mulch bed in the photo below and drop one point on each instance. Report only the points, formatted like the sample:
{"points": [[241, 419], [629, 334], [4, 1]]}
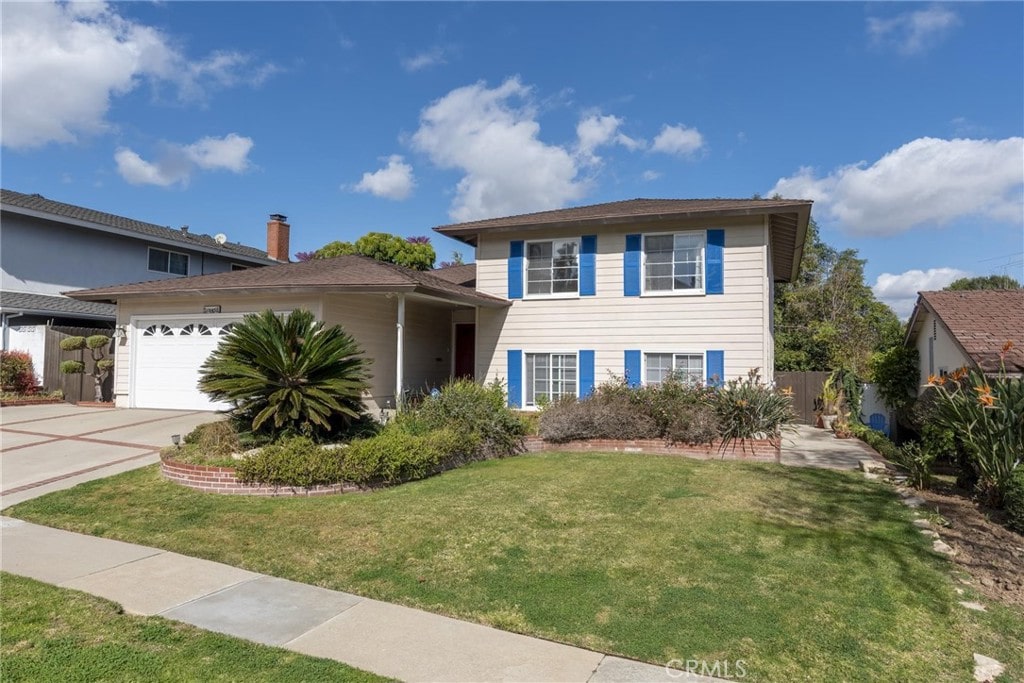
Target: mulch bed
{"points": [[991, 553]]}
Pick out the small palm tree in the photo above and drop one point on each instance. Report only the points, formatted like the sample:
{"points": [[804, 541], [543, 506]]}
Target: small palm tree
{"points": [[288, 374]]}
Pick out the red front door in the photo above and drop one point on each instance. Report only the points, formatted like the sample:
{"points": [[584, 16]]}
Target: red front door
{"points": [[465, 350]]}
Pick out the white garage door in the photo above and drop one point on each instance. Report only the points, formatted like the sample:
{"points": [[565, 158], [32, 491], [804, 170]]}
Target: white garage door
{"points": [[166, 358]]}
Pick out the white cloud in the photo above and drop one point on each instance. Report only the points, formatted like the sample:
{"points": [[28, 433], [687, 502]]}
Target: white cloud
{"points": [[595, 131], [491, 135], [177, 163], [650, 175], [394, 181], [63, 64], [913, 32], [432, 57], [678, 140], [926, 181], [900, 291]]}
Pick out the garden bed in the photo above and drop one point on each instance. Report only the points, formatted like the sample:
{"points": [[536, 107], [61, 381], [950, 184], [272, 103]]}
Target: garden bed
{"points": [[210, 479], [760, 450]]}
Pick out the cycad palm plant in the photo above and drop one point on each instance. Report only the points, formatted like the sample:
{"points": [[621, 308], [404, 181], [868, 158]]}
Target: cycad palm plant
{"points": [[288, 374]]}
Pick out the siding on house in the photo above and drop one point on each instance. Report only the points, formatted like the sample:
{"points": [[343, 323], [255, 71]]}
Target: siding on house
{"points": [[609, 322], [944, 355]]}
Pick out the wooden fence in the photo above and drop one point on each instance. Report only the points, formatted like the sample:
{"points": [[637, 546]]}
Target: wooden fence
{"points": [[806, 390], [75, 387]]}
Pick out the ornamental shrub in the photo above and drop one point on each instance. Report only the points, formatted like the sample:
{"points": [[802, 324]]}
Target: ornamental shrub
{"points": [[918, 463], [476, 409], [876, 439], [748, 409], [397, 455], [1013, 501], [17, 374], [215, 439], [296, 461]]}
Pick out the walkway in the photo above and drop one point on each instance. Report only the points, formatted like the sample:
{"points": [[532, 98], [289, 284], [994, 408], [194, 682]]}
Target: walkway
{"points": [[805, 446], [390, 640]]}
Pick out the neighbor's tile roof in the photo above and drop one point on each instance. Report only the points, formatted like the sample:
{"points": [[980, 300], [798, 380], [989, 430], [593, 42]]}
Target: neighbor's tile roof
{"points": [[464, 275], [37, 203], [58, 306], [981, 321], [344, 273], [627, 209]]}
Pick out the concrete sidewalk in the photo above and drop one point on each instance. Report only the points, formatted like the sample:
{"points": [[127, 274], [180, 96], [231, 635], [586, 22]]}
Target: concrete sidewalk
{"points": [[390, 640], [806, 446]]}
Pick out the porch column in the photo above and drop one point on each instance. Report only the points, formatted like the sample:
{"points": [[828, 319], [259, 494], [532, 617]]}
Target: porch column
{"points": [[400, 359]]}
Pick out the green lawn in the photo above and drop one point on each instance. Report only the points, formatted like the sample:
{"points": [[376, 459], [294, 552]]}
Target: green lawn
{"points": [[803, 574], [53, 634]]}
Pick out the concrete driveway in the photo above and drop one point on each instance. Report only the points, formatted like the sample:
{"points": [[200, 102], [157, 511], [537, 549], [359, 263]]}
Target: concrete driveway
{"points": [[51, 447]]}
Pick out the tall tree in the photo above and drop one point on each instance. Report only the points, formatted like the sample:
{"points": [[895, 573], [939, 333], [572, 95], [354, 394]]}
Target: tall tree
{"points": [[411, 252], [829, 318], [984, 282]]}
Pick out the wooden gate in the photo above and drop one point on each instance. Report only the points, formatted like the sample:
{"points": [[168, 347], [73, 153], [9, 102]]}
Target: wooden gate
{"points": [[75, 387], [806, 388]]}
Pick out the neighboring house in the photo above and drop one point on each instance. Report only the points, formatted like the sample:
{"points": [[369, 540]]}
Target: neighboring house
{"points": [[50, 247], [561, 300], [968, 329]]}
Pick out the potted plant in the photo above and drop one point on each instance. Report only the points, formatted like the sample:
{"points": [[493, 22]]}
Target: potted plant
{"points": [[831, 397]]}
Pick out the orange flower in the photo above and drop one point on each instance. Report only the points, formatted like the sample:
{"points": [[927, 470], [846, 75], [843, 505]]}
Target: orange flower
{"points": [[986, 399], [1007, 346], [983, 389], [935, 379], [959, 374]]}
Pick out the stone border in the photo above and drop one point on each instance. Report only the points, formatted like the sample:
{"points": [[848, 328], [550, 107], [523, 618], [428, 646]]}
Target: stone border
{"points": [[759, 450], [210, 479]]}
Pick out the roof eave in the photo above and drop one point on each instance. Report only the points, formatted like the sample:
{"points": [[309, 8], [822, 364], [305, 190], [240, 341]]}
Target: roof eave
{"points": [[55, 313]]}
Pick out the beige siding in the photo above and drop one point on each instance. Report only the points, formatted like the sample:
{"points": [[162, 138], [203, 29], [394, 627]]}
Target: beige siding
{"points": [[370, 319], [946, 355], [609, 323]]}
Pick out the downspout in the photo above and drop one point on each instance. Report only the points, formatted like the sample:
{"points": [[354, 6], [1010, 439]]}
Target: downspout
{"points": [[400, 359], [7, 317]]}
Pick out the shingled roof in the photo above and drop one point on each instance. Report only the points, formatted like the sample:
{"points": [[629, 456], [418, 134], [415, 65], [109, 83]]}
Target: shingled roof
{"points": [[787, 221], [39, 206], [56, 306], [341, 274], [464, 274], [980, 322]]}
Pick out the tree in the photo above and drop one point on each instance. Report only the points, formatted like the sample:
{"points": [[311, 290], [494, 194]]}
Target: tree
{"points": [[456, 261], [288, 375], [829, 319], [983, 282], [97, 345], [411, 252]]}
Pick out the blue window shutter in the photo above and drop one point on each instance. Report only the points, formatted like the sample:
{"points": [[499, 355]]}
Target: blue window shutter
{"points": [[586, 373], [633, 377], [588, 265], [631, 266], [714, 256], [716, 368], [515, 378], [515, 269]]}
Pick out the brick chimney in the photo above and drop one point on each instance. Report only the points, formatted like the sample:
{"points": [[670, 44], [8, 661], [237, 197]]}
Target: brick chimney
{"points": [[278, 233]]}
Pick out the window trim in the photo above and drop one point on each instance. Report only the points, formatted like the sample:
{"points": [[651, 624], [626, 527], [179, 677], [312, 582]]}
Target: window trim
{"points": [[188, 261], [578, 240], [701, 291], [525, 376], [238, 266], [676, 352]]}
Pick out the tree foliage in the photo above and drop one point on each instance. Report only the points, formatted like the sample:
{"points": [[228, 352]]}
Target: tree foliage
{"points": [[288, 375], [895, 373], [829, 318], [983, 282], [411, 252]]}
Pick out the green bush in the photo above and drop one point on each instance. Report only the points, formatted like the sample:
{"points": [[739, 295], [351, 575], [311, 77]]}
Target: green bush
{"points": [[72, 343], [895, 375], [748, 409], [1014, 501], [877, 440], [918, 463], [473, 408], [16, 372], [215, 438], [296, 461], [72, 367], [397, 455]]}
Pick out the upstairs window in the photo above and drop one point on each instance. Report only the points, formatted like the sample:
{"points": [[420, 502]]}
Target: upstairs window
{"points": [[688, 367], [163, 261], [674, 262], [553, 267]]}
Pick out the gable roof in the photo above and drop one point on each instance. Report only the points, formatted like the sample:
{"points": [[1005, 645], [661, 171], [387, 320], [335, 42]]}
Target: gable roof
{"points": [[53, 305], [39, 206], [788, 220], [464, 274], [980, 322], [341, 274]]}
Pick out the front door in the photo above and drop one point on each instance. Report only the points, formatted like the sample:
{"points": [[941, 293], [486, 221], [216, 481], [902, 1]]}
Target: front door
{"points": [[465, 350]]}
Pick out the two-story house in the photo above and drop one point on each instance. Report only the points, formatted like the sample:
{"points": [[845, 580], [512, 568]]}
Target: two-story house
{"points": [[50, 247], [556, 302]]}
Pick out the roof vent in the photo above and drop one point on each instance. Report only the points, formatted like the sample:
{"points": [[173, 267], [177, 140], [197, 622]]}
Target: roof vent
{"points": [[184, 229], [279, 217]]}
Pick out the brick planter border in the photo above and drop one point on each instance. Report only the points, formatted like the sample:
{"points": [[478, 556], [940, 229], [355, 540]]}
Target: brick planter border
{"points": [[222, 480], [760, 450], [14, 402]]}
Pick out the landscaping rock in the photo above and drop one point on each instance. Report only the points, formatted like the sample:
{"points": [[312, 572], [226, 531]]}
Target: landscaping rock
{"points": [[929, 533], [869, 465], [913, 502], [922, 524], [872, 476], [986, 669], [976, 606], [987, 582], [941, 547]]}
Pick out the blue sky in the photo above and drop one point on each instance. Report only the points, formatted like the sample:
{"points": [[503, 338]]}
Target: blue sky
{"points": [[904, 121]]}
